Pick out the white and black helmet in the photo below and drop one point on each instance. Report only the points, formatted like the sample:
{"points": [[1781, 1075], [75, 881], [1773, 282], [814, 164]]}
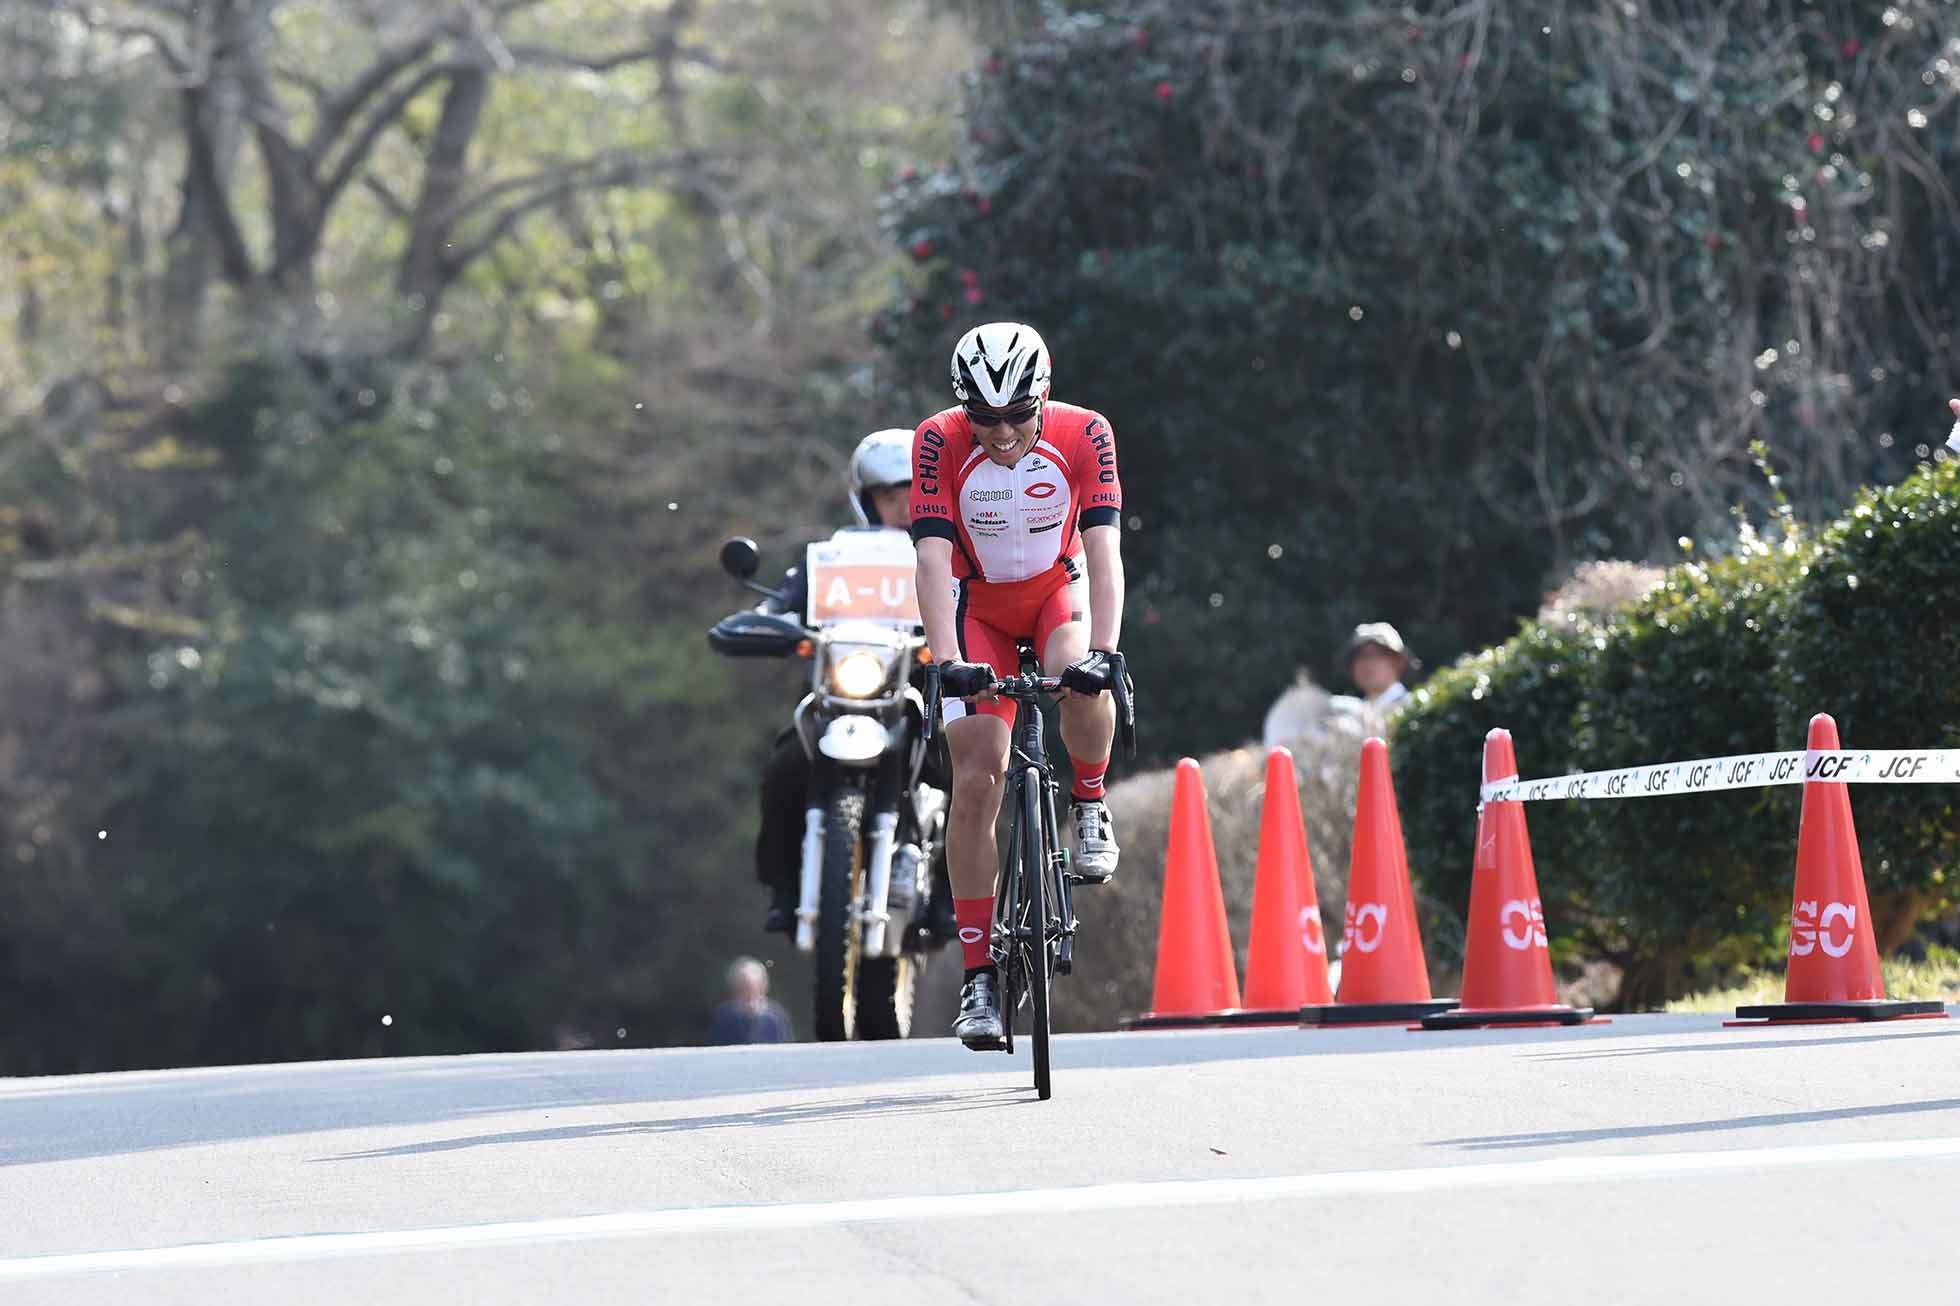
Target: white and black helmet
{"points": [[881, 458], [1000, 364]]}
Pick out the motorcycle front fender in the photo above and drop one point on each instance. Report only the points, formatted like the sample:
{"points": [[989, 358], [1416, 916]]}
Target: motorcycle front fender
{"points": [[854, 741]]}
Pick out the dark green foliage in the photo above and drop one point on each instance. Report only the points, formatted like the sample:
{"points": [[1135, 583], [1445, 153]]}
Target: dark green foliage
{"points": [[1687, 673], [1531, 686], [361, 793], [1869, 635], [1395, 311]]}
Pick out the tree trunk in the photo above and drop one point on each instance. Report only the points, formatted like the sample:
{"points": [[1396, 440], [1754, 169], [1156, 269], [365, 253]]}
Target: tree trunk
{"points": [[427, 268], [211, 136]]}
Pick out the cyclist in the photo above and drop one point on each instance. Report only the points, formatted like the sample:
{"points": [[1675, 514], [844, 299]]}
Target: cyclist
{"points": [[880, 478], [1016, 512]]}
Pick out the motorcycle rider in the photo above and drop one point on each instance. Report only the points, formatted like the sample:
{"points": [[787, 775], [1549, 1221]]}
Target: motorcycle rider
{"points": [[880, 479]]}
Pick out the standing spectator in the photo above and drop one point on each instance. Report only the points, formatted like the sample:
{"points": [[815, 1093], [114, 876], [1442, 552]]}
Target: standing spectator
{"points": [[749, 1015], [1376, 662]]}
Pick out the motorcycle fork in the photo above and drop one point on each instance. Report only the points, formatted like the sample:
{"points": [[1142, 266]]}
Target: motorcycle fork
{"points": [[881, 828]]}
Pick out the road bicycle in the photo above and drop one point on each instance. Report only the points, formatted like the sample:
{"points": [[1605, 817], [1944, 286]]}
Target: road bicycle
{"points": [[1034, 914]]}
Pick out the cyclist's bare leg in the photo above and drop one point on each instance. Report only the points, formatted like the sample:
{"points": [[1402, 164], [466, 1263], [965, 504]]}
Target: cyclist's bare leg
{"points": [[979, 747], [1088, 724]]}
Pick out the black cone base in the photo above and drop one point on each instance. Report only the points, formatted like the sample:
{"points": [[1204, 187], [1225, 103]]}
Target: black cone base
{"points": [[1870, 1009], [1152, 1020], [1485, 1017], [1373, 1013], [1260, 1016]]}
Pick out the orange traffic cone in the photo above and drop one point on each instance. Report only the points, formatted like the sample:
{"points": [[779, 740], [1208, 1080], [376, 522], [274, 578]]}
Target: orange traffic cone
{"points": [[1196, 978], [1507, 965], [1834, 972], [1287, 963], [1383, 975]]}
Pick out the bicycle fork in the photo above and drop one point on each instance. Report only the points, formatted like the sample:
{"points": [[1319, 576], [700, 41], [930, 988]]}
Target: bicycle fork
{"points": [[1059, 927]]}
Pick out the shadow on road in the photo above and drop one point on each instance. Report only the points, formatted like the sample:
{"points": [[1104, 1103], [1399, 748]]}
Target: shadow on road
{"points": [[56, 1120], [1743, 1040], [1561, 1137], [114, 1115], [797, 1113]]}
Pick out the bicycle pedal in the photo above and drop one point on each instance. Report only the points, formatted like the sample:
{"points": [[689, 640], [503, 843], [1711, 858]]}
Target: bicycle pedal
{"points": [[985, 1045]]}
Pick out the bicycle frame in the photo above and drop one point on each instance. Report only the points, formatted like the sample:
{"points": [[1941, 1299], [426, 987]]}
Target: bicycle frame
{"points": [[1031, 778]]}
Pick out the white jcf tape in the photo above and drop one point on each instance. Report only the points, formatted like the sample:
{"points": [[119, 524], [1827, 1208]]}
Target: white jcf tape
{"points": [[1911, 766]]}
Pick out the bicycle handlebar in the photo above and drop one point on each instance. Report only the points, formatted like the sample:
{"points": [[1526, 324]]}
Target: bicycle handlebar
{"points": [[1031, 687]]}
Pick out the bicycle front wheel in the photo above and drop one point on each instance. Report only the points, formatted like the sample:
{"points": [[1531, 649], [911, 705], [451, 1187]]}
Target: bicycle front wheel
{"points": [[1033, 936]]}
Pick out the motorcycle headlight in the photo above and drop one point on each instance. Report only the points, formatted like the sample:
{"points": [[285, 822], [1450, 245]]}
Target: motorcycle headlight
{"points": [[861, 673]]}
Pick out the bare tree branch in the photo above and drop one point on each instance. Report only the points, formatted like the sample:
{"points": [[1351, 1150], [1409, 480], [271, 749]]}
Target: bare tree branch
{"points": [[354, 156], [546, 57], [552, 185], [341, 107]]}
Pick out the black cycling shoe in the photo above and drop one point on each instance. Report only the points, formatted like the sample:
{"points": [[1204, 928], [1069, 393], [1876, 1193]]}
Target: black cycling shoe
{"points": [[782, 912], [978, 1024]]}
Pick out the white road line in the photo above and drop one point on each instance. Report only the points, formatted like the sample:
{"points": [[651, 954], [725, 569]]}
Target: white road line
{"points": [[966, 1206]]}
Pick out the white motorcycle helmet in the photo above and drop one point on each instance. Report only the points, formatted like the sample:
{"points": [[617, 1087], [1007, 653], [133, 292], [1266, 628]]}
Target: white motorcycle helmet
{"points": [[1000, 364], [881, 458]]}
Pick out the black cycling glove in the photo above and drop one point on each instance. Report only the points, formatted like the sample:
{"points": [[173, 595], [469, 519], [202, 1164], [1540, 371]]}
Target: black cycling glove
{"points": [[964, 679], [1090, 675]]}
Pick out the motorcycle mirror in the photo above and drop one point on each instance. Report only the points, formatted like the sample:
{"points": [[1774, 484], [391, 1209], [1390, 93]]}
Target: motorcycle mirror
{"points": [[740, 558]]}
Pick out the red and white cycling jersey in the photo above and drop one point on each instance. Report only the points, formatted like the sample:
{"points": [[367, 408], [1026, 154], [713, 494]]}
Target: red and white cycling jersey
{"points": [[1011, 524]]}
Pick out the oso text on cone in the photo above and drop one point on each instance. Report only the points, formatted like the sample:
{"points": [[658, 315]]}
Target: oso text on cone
{"points": [[1197, 979], [1834, 972], [1286, 966], [1507, 961], [1383, 975]]}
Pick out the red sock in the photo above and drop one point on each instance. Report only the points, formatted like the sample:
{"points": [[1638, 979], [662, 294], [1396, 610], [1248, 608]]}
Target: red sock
{"points": [[1088, 786], [976, 917]]}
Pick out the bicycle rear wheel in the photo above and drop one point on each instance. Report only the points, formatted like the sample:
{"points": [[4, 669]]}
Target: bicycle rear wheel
{"points": [[1033, 937]]}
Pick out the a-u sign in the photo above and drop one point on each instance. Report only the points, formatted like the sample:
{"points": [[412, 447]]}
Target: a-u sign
{"points": [[889, 592]]}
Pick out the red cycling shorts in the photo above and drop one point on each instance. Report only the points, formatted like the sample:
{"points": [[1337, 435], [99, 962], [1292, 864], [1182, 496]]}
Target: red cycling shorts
{"points": [[993, 615]]}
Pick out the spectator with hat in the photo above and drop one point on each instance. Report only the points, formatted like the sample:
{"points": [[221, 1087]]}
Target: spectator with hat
{"points": [[1377, 659]]}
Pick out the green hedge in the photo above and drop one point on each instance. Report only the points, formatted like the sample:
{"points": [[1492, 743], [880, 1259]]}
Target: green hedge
{"points": [[1728, 656], [1674, 884], [1870, 635], [1530, 686]]}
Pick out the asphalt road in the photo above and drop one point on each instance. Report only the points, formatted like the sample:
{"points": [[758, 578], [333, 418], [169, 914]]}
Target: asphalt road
{"points": [[1656, 1158]]}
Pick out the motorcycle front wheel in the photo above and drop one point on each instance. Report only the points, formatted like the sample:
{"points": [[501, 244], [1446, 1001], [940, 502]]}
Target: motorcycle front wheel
{"points": [[885, 990], [839, 938]]}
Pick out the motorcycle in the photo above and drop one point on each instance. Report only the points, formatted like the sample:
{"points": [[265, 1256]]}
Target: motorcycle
{"points": [[873, 822]]}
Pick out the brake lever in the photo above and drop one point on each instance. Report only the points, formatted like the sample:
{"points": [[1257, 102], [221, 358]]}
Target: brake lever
{"points": [[932, 703], [1121, 690]]}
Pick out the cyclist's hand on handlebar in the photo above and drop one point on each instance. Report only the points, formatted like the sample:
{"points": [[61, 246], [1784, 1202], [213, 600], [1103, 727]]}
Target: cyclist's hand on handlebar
{"points": [[1090, 675], [964, 679]]}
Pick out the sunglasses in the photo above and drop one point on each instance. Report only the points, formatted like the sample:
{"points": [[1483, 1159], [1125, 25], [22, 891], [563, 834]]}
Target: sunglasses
{"points": [[994, 417]]}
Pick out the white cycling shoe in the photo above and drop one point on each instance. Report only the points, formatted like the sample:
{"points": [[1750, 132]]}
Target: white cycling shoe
{"points": [[1092, 857]]}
